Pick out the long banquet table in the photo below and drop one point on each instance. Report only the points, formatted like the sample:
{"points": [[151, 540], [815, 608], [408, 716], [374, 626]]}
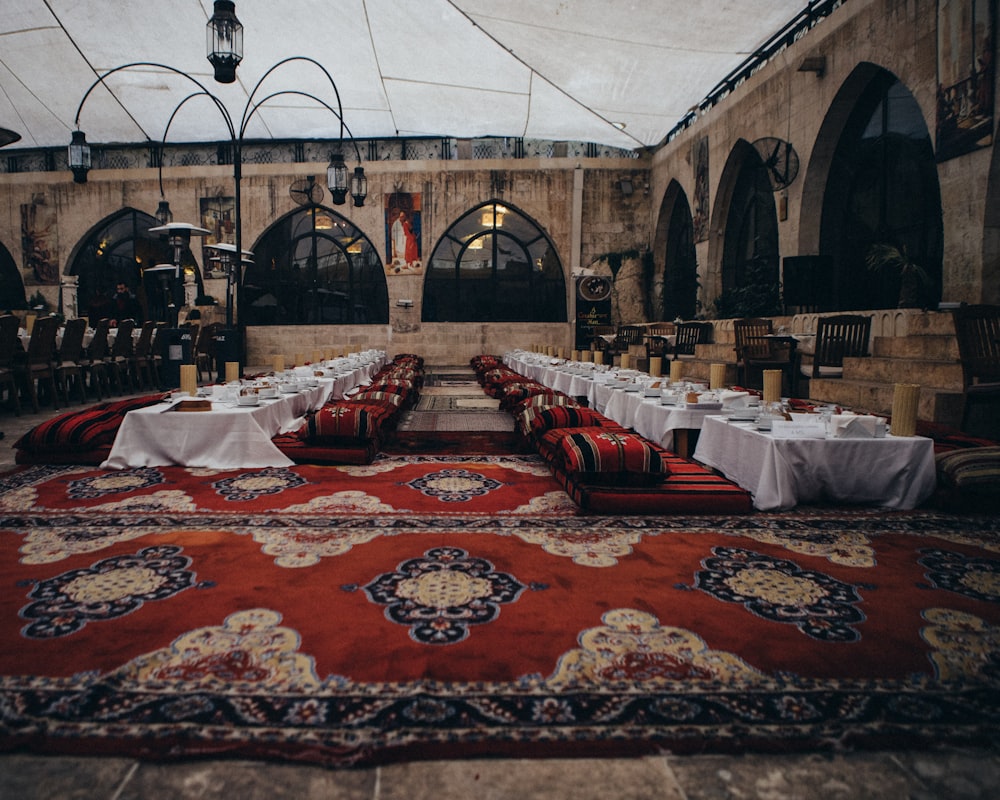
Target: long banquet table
{"points": [[893, 472], [226, 437], [667, 425]]}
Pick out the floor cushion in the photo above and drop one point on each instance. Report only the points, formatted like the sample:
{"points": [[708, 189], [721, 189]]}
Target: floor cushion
{"points": [[969, 479]]}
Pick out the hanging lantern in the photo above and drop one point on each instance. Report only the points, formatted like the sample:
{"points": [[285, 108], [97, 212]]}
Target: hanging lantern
{"points": [[79, 157], [224, 36], [163, 215], [359, 186], [336, 179]]}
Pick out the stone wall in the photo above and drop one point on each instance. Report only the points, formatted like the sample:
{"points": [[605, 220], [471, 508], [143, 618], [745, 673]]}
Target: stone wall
{"points": [[579, 202]]}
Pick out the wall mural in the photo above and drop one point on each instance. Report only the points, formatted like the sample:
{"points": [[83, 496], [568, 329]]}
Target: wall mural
{"points": [[965, 69], [39, 244], [699, 158], [402, 234]]}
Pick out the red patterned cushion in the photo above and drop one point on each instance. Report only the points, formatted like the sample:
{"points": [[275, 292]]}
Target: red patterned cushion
{"points": [[342, 422], [396, 386], [369, 395], [612, 457], [75, 431], [544, 418], [547, 398]]}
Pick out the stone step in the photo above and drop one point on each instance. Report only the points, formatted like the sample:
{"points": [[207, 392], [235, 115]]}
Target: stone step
{"points": [[929, 347], [939, 374], [936, 405]]}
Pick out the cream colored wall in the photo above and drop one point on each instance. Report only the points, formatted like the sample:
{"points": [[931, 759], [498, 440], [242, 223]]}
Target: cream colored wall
{"points": [[540, 188], [781, 101], [440, 343]]}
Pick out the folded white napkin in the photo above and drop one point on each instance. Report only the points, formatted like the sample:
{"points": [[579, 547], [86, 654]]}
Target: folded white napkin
{"points": [[731, 399], [853, 426]]}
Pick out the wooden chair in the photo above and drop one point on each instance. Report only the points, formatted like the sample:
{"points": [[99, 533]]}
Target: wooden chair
{"points": [[204, 350], [119, 360], [839, 337], [689, 334], [10, 345], [141, 362], [40, 365], [597, 337], [977, 328], [156, 355], [756, 351], [657, 343], [626, 337], [93, 359], [69, 366]]}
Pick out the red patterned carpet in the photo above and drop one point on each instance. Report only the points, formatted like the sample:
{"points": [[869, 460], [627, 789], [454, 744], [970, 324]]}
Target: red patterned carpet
{"points": [[441, 606]]}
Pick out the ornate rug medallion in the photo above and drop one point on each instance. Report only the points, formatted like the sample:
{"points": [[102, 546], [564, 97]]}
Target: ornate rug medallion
{"points": [[973, 577], [454, 485], [126, 480], [441, 594], [251, 485], [817, 604], [110, 588]]}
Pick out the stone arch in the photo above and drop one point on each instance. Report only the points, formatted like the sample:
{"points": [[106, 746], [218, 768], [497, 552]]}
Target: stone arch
{"points": [[314, 266], [11, 282], [841, 166], [744, 209], [494, 263], [674, 290]]}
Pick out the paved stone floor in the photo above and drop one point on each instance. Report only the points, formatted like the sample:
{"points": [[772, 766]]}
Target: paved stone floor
{"points": [[940, 774]]}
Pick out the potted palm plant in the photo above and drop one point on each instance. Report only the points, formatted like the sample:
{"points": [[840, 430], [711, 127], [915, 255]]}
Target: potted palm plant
{"points": [[914, 281]]}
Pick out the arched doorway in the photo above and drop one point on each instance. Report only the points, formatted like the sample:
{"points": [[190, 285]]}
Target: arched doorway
{"points": [[881, 197], [675, 239], [314, 267], [750, 266], [120, 249], [494, 264], [11, 285]]}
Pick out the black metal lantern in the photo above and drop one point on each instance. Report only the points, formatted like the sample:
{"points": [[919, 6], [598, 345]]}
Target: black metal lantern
{"points": [[359, 186], [79, 157], [336, 179], [224, 35], [163, 214]]}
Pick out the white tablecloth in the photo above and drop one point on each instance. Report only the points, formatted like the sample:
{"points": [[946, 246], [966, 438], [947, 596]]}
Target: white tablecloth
{"points": [[894, 472], [227, 437], [658, 422]]}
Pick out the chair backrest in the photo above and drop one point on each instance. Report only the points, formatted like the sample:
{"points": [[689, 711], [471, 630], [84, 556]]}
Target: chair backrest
{"points": [[145, 340], [206, 339], [42, 348], [688, 335], [155, 346], [10, 343], [839, 337], [71, 346], [977, 328], [749, 335], [657, 343], [98, 347], [122, 347], [627, 335]]}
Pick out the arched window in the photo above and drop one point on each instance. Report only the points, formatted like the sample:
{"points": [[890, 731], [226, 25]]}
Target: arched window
{"points": [[680, 274], [314, 267], [750, 257], [882, 190], [494, 265], [120, 249]]}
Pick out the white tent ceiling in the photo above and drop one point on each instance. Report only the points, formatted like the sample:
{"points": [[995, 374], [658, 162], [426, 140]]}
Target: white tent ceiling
{"points": [[615, 72]]}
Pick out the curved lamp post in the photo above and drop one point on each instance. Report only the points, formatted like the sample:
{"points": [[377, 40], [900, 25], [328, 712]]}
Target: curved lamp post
{"points": [[79, 155]]}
